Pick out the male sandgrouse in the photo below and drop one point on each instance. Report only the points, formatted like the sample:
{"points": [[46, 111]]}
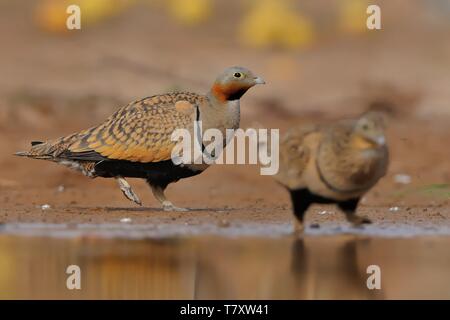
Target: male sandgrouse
{"points": [[136, 140], [336, 163]]}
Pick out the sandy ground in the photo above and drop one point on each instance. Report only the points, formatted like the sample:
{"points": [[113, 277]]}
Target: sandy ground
{"points": [[226, 194]]}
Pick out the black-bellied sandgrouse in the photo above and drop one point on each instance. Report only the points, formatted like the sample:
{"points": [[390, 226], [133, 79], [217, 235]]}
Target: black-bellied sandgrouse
{"points": [[136, 140], [336, 163]]}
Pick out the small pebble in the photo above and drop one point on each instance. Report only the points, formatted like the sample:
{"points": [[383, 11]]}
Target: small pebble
{"points": [[402, 178], [323, 212], [45, 207], [394, 209], [125, 220], [314, 226], [61, 188]]}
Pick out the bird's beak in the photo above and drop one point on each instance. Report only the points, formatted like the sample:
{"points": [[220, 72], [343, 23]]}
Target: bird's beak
{"points": [[259, 80]]}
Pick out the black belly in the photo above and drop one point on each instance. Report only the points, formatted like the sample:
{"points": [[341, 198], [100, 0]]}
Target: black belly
{"points": [[308, 196], [163, 172]]}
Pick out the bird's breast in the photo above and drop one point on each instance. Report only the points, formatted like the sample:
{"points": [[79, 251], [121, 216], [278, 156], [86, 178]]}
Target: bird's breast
{"points": [[221, 117], [347, 175], [233, 114]]}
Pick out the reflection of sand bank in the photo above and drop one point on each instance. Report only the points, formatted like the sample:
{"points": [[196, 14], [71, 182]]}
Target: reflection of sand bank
{"points": [[327, 267], [110, 269]]}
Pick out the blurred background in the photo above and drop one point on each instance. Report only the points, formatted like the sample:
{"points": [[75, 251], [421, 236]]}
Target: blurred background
{"points": [[318, 56]]}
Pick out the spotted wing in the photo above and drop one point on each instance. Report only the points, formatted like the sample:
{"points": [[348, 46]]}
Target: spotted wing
{"points": [[139, 132], [294, 155]]}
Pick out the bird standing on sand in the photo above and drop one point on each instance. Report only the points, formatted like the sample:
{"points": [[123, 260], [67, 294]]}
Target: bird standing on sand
{"points": [[335, 163], [136, 140]]}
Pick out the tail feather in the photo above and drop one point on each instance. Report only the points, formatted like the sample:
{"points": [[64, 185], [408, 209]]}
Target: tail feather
{"points": [[22, 154], [48, 150], [39, 150]]}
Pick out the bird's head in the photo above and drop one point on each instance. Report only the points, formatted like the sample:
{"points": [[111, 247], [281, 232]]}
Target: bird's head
{"points": [[233, 83], [369, 130]]}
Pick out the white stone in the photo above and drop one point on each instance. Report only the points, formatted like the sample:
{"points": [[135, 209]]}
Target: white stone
{"points": [[402, 178]]}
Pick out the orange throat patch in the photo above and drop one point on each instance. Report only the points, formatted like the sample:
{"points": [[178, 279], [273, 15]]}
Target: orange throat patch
{"points": [[361, 143], [232, 91]]}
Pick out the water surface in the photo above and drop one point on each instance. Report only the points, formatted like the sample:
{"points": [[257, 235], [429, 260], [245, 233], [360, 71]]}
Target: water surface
{"points": [[117, 263]]}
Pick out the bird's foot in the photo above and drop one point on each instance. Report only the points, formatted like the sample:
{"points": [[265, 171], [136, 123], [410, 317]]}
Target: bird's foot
{"points": [[168, 206], [128, 192]]}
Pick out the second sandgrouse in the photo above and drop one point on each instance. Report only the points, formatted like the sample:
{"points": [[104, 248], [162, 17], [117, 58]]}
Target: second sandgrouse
{"points": [[336, 163], [136, 140]]}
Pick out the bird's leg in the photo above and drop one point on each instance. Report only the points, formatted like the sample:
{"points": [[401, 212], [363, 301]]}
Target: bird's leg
{"points": [[127, 191], [158, 192], [349, 208], [300, 202]]}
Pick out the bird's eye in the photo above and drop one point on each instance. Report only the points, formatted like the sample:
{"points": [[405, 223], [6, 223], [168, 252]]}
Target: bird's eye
{"points": [[238, 75]]}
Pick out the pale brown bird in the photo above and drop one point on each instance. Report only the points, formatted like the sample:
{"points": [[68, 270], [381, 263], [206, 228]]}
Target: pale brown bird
{"points": [[136, 140], [336, 163]]}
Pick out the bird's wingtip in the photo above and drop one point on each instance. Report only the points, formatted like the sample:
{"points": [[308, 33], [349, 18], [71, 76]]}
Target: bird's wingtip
{"points": [[21, 154]]}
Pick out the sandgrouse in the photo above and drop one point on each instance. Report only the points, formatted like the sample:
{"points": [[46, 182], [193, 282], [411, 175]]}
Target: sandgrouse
{"points": [[336, 163], [136, 140]]}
